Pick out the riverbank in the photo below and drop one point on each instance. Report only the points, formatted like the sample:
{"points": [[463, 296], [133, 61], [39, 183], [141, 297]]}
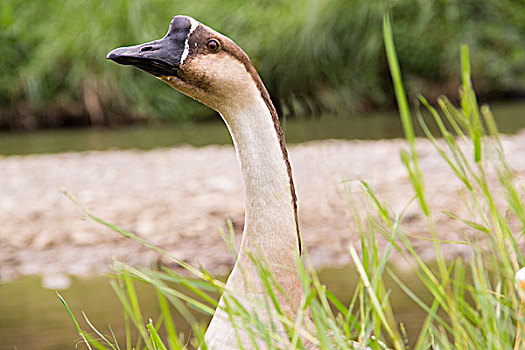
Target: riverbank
{"points": [[179, 198]]}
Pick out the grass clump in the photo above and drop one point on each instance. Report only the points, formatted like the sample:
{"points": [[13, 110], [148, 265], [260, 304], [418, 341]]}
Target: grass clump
{"points": [[473, 303]]}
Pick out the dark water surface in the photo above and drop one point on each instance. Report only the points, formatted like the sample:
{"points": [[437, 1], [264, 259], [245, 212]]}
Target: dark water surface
{"points": [[510, 117], [32, 317]]}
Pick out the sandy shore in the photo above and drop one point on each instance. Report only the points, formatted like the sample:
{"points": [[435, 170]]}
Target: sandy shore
{"points": [[179, 198]]}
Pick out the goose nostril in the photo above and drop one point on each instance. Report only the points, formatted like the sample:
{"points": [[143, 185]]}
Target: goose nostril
{"points": [[146, 48]]}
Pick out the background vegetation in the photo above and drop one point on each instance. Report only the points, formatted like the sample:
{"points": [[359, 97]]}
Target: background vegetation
{"points": [[314, 55]]}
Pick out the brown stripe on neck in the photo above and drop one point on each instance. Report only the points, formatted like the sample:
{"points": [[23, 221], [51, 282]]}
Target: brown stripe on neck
{"points": [[241, 56], [266, 97]]}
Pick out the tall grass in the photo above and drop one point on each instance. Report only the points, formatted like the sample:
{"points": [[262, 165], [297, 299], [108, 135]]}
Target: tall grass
{"points": [[473, 303], [313, 55]]}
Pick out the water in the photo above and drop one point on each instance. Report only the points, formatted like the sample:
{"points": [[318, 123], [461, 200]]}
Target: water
{"points": [[32, 317], [371, 126]]}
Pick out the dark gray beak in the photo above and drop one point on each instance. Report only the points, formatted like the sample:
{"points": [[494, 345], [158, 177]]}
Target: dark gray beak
{"points": [[159, 57]]}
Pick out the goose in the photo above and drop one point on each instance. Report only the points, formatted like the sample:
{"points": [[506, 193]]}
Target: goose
{"points": [[210, 68]]}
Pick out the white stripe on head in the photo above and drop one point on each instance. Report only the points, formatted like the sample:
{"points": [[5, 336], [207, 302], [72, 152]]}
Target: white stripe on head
{"points": [[186, 51]]}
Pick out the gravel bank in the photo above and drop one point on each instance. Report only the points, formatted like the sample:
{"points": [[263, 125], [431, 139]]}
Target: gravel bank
{"points": [[178, 198]]}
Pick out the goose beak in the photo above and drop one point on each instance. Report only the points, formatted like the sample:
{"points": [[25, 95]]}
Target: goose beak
{"points": [[157, 57], [160, 57]]}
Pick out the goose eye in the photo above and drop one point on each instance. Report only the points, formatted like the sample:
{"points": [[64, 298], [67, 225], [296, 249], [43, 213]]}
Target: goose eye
{"points": [[213, 45]]}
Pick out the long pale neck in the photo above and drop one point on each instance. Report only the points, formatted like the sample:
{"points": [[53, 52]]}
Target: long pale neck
{"points": [[270, 227]]}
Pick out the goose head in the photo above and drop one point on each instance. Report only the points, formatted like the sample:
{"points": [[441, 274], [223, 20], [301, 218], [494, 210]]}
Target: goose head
{"points": [[197, 61]]}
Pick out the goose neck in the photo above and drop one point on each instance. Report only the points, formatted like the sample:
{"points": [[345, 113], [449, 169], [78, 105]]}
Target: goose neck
{"points": [[270, 225]]}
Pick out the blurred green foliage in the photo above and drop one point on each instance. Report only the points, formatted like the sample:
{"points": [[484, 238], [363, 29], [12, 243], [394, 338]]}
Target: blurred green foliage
{"points": [[314, 55]]}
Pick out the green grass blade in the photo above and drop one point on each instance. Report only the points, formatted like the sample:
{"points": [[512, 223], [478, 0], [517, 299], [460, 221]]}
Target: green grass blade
{"points": [[155, 338], [97, 332], [79, 330]]}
